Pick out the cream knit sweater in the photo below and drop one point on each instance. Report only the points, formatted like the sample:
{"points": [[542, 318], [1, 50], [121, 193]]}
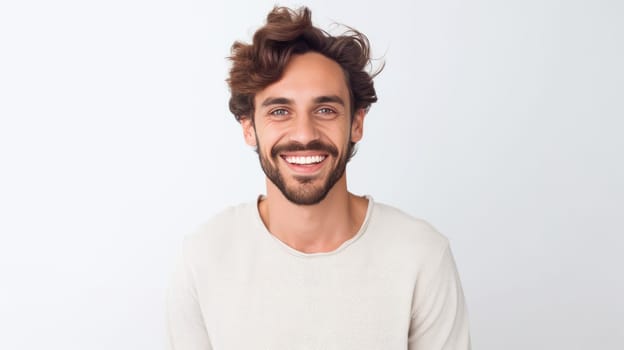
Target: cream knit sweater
{"points": [[394, 285]]}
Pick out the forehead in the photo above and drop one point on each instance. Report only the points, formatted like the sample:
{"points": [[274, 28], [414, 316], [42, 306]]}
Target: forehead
{"points": [[308, 76]]}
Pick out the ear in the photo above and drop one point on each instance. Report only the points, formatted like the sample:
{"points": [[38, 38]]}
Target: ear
{"points": [[249, 132], [357, 125]]}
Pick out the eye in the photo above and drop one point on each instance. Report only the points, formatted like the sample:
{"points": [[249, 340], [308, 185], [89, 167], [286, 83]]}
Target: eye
{"points": [[279, 112], [326, 112]]}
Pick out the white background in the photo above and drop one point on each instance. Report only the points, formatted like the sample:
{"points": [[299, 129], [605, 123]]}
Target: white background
{"points": [[500, 122]]}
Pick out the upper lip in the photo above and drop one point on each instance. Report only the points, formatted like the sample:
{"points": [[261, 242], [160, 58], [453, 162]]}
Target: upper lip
{"points": [[303, 154], [296, 149]]}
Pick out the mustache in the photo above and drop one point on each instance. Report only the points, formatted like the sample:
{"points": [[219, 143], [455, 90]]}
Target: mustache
{"points": [[310, 146]]}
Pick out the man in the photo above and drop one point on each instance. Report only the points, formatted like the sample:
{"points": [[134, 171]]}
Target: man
{"points": [[310, 265]]}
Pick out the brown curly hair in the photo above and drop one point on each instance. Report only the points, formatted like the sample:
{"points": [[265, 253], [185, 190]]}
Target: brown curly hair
{"points": [[289, 32]]}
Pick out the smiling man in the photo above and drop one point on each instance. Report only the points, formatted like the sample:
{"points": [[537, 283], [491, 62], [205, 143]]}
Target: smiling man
{"points": [[310, 265], [304, 122]]}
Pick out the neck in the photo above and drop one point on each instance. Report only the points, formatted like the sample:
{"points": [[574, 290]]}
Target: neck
{"points": [[321, 227]]}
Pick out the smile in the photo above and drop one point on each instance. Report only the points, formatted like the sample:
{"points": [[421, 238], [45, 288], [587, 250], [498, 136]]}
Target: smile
{"points": [[304, 160]]}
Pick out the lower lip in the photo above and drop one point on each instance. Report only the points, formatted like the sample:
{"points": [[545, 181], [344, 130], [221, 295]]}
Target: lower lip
{"points": [[305, 168]]}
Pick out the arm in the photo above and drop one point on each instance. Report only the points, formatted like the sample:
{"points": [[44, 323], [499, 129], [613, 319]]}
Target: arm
{"points": [[185, 323], [439, 319]]}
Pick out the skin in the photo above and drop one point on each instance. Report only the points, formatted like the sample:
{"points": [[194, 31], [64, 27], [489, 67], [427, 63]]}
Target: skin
{"points": [[310, 103]]}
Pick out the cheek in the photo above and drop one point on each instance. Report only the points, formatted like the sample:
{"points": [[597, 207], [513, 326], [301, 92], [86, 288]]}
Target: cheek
{"points": [[338, 133], [343, 137], [267, 139], [276, 132]]}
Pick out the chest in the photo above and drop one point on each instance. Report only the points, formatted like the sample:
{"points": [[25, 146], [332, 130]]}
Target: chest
{"points": [[319, 305]]}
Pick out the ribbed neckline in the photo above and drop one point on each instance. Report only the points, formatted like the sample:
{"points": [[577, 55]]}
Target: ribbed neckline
{"points": [[260, 224]]}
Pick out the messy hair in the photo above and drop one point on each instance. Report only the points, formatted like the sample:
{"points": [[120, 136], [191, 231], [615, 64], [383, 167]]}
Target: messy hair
{"points": [[286, 33]]}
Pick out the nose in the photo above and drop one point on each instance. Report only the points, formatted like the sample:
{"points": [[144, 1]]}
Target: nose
{"points": [[304, 129]]}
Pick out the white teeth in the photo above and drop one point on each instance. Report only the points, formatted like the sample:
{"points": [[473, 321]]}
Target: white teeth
{"points": [[305, 160]]}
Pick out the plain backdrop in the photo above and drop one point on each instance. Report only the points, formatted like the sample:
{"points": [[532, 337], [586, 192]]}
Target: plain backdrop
{"points": [[500, 122]]}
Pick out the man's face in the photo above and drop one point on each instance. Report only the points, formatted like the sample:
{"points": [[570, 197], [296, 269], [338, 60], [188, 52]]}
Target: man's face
{"points": [[303, 128]]}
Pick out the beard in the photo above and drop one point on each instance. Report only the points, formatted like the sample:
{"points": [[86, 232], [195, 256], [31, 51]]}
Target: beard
{"points": [[305, 192]]}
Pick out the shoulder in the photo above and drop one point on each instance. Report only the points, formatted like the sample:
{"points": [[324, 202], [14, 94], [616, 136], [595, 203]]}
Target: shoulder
{"points": [[402, 232], [228, 228]]}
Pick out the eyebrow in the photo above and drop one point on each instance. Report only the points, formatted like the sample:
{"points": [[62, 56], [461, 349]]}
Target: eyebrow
{"points": [[276, 101], [286, 101], [329, 99]]}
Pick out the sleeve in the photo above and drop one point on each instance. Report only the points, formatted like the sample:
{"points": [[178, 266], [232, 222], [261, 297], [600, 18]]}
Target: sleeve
{"points": [[185, 324], [439, 318]]}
